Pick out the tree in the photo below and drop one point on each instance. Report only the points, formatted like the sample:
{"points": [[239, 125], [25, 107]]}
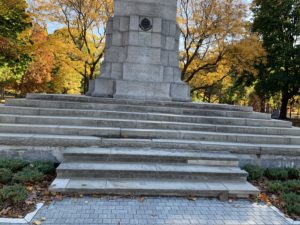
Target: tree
{"points": [[278, 23], [13, 18], [67, 62], [208, 27], [38, 74], [85, 22], [14, 21], [239, 61], [217, 44]]}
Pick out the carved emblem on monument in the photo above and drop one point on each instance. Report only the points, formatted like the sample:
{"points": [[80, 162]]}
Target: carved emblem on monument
{"points": [[146, 24]]}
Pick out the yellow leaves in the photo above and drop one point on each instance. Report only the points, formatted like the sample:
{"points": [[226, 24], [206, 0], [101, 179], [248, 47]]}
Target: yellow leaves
{"points": [[244, 54], [218, 45], [29, 188], [37, 222]]}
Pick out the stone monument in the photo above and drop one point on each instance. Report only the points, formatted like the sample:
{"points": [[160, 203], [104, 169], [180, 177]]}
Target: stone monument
{"points": [[141, 56]]}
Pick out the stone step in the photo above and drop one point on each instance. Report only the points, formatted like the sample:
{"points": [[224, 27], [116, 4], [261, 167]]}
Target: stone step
{"points": [[131, 187], [144, 170], [111, 132], [82, 99], [13, 139], [126, 108], [129, 123], [147, 155], [160, 122], [126, 115], [238, 148]]}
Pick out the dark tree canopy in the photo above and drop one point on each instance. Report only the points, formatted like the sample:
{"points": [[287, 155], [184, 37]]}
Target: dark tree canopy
{"points": [[278, 23]]}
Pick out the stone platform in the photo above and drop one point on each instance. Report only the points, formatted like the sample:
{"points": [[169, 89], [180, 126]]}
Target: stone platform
{"points": [[120, 146]]}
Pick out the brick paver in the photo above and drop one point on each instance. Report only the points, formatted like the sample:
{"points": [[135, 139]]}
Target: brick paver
{"points": [[157, 210]]}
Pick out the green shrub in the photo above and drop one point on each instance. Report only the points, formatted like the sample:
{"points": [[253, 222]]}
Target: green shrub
{"points": [[293, 185], [293, 173], [293, 208], [275, 187], [291, 198], [15, 193], [255, 172], [276, 174], [43, 167], [28, 175], [292, 201], [13, 164], [5, 175]]}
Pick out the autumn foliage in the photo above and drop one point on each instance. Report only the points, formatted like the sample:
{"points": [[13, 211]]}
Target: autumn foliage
{"points": [[38, 75], [221, 57]]}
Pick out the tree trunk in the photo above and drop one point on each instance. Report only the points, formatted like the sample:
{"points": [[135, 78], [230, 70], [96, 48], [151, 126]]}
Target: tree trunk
{"points": [[85, 85], [283, 109], [262, 105], [2, 93]]}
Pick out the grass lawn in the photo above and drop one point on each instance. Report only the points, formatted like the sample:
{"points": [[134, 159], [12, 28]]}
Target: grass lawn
{"points": [[279, 187]]}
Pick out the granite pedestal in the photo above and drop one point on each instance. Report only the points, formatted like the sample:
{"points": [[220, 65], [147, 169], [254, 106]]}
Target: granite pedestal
{"points": [[141, 56]]}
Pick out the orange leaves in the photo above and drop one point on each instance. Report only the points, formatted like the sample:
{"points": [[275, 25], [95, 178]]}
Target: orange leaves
{"points": [[38, 75], [216, 41], [264, 198]]}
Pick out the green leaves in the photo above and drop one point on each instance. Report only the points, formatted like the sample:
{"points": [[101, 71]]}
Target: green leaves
{"points": [[13, 18], [278, 23]]}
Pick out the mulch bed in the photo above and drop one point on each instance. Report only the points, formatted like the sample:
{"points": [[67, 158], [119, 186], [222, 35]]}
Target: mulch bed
{"points": [[272, 199], [38, 192]]}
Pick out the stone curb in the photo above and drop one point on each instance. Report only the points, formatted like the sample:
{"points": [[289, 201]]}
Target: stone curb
{"points": [[290, 221], [25, 220]]}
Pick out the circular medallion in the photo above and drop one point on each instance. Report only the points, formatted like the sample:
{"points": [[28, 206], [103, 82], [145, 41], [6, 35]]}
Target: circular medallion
{"points": [[145, 24]]}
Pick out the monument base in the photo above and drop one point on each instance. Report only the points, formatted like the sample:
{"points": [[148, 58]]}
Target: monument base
{"points": [[124, 89]]}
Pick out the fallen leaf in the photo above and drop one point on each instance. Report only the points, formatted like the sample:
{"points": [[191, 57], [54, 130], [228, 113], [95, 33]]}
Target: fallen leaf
{"points": [[263, 197], [5, 211], [28, 202], [191, 198], [29, 188], [37, 222], [141, 199]]}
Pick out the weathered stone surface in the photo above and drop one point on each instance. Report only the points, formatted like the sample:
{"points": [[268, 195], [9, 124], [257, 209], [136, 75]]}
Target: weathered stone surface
{"points": [[142, 90], [180, 92], [139, 72], [135, 52], [103, 88]]}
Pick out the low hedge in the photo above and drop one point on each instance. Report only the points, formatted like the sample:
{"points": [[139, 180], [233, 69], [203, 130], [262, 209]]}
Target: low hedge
{"points": [[5, 175], [13, 164], [15, 193], [283, 182]]}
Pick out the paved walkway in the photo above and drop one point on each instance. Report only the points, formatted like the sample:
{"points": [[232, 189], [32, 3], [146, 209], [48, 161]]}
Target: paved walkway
{"points": [[156, 210]]}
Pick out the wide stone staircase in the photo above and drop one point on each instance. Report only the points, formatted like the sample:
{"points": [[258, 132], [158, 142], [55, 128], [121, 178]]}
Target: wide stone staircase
{"points": [[114, 146]]}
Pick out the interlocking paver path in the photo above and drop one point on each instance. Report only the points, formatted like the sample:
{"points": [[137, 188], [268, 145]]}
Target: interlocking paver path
{"points": [[157, 210]]}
